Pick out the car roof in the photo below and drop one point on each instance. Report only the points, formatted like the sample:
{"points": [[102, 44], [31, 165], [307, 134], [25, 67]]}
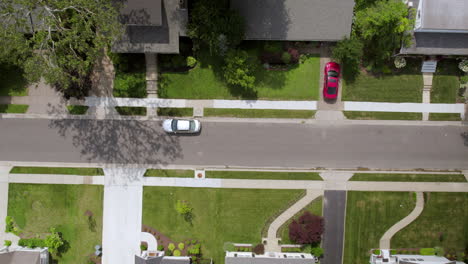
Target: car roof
{"points": [[183, 124]]}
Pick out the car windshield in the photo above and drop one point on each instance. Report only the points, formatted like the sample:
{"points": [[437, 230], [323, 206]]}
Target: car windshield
{"points": [[192, 125], [174, 125], [332, 74], [331, 90]]}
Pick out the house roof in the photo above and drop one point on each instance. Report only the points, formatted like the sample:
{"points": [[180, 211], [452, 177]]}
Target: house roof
{"points": [[420, 259], [307, 20], [152, 38], [20, 257], [446, 15], [260, 260], [426, 43], [141, 12]]}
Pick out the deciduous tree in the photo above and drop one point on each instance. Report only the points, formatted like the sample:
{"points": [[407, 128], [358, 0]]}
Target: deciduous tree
{"points": [[307, 229], [59, 40]]}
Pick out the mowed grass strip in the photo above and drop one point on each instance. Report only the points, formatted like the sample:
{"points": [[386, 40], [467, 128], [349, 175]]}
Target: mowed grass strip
{"points": [[37, 207], [264, 175], [382, 115], [219, 215], [13, 108], [58, 170], [169, 173], [315, 207], [443, 222], [444, 117], [368, 216], [258, 113], [175, 111], [12, 81], [77, 109], [131, 111], [408, 177]]}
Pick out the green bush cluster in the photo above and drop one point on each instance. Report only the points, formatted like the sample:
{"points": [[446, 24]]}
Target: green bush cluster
{"points": [[194, 249], [427, 251], [11, 226], [181, 246], [244, 249], [376, 252], [177, 253], [191, 61], [291, 249], [273, 46], [171, 246], [464, 79], [7, 243], [132, 84], [318, 252], [31, 242], [160, 248], [286, 57], [143, 247]]}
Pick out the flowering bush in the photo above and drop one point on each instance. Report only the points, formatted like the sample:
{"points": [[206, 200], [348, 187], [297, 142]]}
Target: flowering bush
{"points": [[399, 62], [463, 65]]}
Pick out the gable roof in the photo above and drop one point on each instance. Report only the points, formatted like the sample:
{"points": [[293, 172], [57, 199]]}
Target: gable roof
{"points": [[141, 12], [306, 20], [20, 257], [442, 16]]}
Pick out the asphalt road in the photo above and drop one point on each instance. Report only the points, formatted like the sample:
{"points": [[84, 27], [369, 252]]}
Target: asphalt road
{"points": [[334, 206], [235, 144]]}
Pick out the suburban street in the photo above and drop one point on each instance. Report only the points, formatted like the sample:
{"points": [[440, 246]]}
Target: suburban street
{"points": [[235, 144]]}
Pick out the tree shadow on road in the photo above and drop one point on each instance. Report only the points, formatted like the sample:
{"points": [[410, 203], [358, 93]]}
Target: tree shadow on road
{"points": [[120, 141]]}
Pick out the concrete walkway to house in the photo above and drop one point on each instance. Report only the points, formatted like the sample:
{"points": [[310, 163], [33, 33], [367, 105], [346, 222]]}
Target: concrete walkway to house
{"points": [[4, 170], [426, 96], [385, 240], [272, 239], [122, 217]]}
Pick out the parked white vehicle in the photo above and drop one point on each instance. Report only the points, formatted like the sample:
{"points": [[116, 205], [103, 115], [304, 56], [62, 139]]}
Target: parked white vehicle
{"points": [[181, 126]]}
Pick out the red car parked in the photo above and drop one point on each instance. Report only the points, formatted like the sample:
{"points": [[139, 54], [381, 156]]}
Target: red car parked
{"points": [[331, 80]]}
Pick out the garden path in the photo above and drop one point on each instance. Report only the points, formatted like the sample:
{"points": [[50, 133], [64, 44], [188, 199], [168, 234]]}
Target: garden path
{"points": [[385, 240], [272, 239]]}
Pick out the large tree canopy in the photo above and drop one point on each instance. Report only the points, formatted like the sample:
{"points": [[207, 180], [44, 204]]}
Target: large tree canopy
{"points": [[59, 40], [382, 28], [214, 24]]}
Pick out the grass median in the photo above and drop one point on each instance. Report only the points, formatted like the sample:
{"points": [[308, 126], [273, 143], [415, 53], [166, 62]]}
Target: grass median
{"points": [[258, 113], [13, 108], [169, 173], [264, 175], [58, 170], [408, 177], [382, 115]]}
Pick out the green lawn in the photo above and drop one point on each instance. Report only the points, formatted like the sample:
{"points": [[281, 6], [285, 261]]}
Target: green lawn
{"points": [[77, 109], [315, 207], [408, 177], [444, 117], [443, 222], [445, 83], [131, 111], [36, 208], [175, 111], [220, 215], [205, 81], [258, 113], [12, 82], [368, 216], [13, 108], [382, 115], [403, 85], [58, 170], [266, 175], [169, 173]]}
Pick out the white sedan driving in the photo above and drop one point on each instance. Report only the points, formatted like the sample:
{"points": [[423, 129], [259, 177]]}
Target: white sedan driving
{"points": [[188, 126]]}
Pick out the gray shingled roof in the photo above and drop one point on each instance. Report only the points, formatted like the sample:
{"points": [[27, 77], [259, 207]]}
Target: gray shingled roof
{"points": [[319, 20], [161, 260], [155, 39], [141, 12], [20, 257], [438, 44], [257, 260], [444, 15]]}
